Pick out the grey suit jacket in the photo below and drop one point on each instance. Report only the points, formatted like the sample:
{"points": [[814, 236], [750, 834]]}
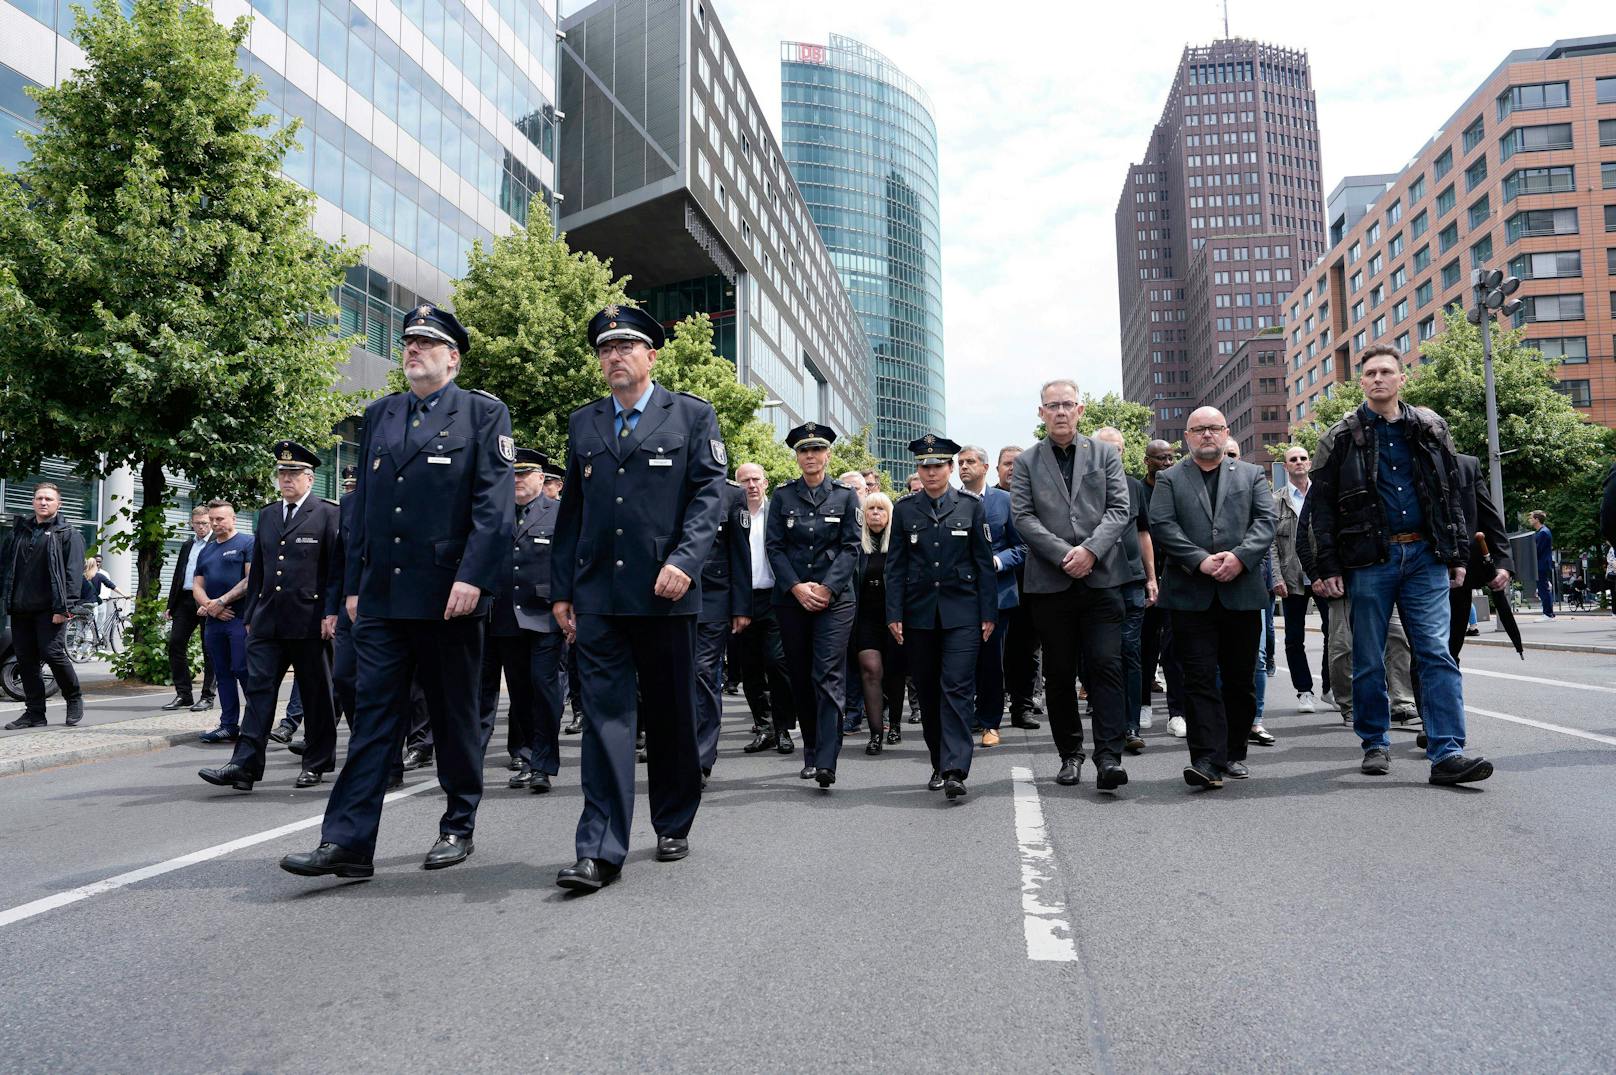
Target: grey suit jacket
{"points": [[1187, 527], [1053, 521]]}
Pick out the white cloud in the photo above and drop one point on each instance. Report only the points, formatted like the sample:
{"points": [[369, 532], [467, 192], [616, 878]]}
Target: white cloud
{"points": [[1041, 107]]}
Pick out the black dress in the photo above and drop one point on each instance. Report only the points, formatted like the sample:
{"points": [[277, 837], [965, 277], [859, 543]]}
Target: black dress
{"points": [[870, 631]]}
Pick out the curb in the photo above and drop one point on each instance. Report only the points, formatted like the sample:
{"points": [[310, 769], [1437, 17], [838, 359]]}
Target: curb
{"points": [[55, 759]]}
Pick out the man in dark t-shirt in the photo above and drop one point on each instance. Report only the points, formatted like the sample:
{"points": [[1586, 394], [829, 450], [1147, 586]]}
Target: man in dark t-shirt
{"points": [[220, 587]]}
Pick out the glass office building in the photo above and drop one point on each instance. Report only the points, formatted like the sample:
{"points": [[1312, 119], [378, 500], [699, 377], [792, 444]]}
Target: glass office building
{"points": [[427, 125], [859, 138]]}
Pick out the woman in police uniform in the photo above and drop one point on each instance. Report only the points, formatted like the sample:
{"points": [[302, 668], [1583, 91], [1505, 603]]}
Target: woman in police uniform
{"points": [[812, 540]]}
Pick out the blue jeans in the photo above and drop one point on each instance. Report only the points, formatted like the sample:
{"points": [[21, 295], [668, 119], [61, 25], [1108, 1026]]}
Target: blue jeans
{"points": [[1417, 584], [1262, 661], [1133, 622]]}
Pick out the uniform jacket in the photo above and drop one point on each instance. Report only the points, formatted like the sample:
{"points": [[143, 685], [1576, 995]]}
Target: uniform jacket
{"points": [[1481, 516], [1053, 521], [427, 518], [295, 578], [179, 586], [1189, 527], [66, 563], [1349, 520], [939, 568], [814, 544], [635, 503], [523, 602], [726, 577], [1007, 545]]}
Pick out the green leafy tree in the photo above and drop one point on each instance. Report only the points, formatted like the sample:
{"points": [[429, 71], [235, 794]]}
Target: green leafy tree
{"points": [[526, 302], [1573, 508], [1112, 410], [165, 295]]}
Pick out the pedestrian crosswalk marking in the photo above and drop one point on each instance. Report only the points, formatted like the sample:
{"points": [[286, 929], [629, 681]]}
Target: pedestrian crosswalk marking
{"points": [[1043, 908]]}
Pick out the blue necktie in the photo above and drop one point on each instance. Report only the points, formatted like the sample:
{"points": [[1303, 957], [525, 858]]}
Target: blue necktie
{"points": [[627, 419]]}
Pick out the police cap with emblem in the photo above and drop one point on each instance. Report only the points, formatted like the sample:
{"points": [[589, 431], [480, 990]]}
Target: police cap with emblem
{"points": [[531, 459], [437, 324], [290, 455], [626, 323], [932, 449], [810, 435], [553, 473]]}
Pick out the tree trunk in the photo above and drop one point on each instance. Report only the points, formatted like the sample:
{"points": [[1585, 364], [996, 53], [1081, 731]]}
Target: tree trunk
{"points": [[151, 534]]}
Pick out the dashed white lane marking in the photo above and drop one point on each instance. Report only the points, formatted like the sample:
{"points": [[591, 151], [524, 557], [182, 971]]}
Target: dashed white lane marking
{"points": [[1537, 679], [1545, 725], [123, 880], [1049, 933]]}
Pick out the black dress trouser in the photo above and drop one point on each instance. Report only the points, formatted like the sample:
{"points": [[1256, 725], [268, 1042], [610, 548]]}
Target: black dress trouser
{"points": [[816, 660], [267, 662], [1082, 623], [35, 638], [1217, 647], [764, 679], [183, 623]]}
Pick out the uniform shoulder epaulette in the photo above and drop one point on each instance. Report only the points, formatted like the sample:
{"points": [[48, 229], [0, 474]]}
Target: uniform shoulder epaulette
{"points": [[905, 496], [333, 503], [485, 394], [733, 482], [789, 482], [692, 395], [973, 496]]}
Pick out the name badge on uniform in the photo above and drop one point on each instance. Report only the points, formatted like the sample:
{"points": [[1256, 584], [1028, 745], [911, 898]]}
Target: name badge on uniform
{"points": [[307, 541], [661, 462], [541, 541], [439, 459], [833, 518]]}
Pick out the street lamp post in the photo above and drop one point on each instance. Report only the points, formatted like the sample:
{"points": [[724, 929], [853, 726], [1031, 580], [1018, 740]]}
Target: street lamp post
{"points": [[1493, 291]]}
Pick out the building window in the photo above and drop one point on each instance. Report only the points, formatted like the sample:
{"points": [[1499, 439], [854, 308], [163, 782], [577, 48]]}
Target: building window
{"points": [[1481, 253], [1446, 200], [1377, 263], [1403, 344], [1377, 327], [1443, 165], [1422, 294], [1578, 391], [1551, 265], [1541, 222], [1399, 278], [1427, 328], [1607, 132], [1607, 176], [1568, 350], [1480, 210], [1536, 308], [1535, 139], [1605, 91], [1399, 311], [1421, 224], [1559, 179], [1534, 95], [1358, 310], [1473, 135], [1476, 173], [1354, 252], [1422, 259], [1447, 238], [1394, 214], [1360, 341], [1610, 218], [1374, 234], [1395, 247], [1416, 189], [1355, 283], [1450, 274]]}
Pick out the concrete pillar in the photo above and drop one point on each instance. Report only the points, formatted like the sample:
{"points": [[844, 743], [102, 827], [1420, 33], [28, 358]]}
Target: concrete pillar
{"points": [[117, 492]]}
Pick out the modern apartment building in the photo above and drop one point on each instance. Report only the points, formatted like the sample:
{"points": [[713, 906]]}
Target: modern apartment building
{"points": [[1213, 228], [669, 168], [861, 142], [427, 125], [1522, 177]]}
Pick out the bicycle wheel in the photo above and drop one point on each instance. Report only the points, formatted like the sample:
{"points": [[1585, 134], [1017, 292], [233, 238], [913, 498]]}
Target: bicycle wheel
{"points": [[80, 640], [114, 639]]}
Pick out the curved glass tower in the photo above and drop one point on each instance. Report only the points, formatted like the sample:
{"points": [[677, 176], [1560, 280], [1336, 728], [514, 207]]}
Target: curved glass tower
{"points": [[859, 138]]}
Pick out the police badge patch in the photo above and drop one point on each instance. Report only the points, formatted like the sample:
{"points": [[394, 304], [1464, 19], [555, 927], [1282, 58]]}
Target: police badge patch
{"points": [[746, 520], [987, 532], [719, 455], [507, 448]]}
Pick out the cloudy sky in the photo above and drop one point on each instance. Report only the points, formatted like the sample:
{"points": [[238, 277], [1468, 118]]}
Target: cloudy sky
{"points": [[1042, 106]]}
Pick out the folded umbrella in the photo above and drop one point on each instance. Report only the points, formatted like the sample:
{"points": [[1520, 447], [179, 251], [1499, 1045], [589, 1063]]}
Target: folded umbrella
{"points": [[1500, 599]]}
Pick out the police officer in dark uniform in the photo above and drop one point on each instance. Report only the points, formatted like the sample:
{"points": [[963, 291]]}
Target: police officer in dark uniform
{"points": [[643, 499], [942, 604], [343, 670], [726, 609], [432, 527], [294, 588], [813, 539], [524, 642]]}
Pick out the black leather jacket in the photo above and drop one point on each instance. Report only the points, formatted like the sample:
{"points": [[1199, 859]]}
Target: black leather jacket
{"points": [[65, 558], [1348, 519]]}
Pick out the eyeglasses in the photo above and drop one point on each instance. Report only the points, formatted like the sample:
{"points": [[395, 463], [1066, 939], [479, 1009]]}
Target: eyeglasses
{"points": [[1206, 431], [1060, 405], [620, 347]]}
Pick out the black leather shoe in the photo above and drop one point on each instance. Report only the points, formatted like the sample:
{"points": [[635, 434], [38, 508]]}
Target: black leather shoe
{"points": [[539, 784], [639, 740], [1071, 770], [1422, 741], [203, 704], [328, 860], [25, 722], [417, 758], [1021, 720], [894, 734], [232, 776], [785, 746], [1376, 762], [297, 748], [954, 786], [179, 702], [514, 765], [914, 718], [1260, 736], [522, 778], [760, 742], [1134, 743], [873, 747], [308, 778], [587, 875], [1201, 776], [221, 734], [936, 782], [448, 851], [1458, 769], [807, 773], [573, 728], [75, 711], [671, 848], [1236, 770], [825, 777], [283, 732], [1111, 777], [395, 781]]}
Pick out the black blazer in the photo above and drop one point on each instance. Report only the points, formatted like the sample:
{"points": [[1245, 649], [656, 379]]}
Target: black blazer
{"points": [[1481, 515], [179, 587], [296, 573]]}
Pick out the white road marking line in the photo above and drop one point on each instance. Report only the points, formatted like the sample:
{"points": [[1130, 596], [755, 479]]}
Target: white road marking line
{"points": [[1530, 723], [123, 880], [1049, 934], [1536, 679]]}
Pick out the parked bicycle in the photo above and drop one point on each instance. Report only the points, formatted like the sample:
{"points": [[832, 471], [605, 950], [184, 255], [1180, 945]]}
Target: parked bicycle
{"points": [[87, 639]]}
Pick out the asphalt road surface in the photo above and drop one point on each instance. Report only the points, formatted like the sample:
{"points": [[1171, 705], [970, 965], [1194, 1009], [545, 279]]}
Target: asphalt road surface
{"points": [[1309, 919]]}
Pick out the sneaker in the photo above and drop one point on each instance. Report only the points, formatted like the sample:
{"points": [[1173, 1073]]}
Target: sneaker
{"points": [[1132, 743], [1145, 720], [1305, 703], [1328, 698], [1176, 725], [1458, 769], [1377, 762]]}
